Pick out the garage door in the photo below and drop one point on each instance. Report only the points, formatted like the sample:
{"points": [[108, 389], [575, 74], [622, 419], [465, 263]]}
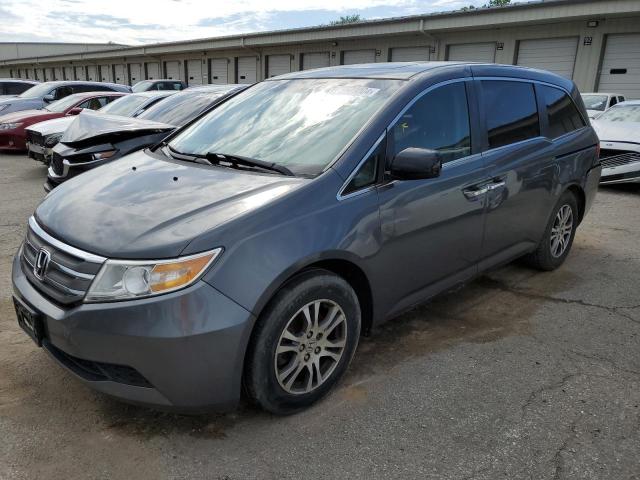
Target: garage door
{"points": [[194, 72], [69, 73], [410, 54], [557, 55], [153, 71], [351, 57], [219, 70], [120, 73], [473, 52], [315, 60], [92, 73], [172, 70], [621, 66], [81, 74], [58, 73], [247, 71], [105, 73], [135, 73], [278, 65]]}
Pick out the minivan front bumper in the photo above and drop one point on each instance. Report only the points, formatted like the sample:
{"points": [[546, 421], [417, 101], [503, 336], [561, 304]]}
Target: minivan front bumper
{"points": [[180, 351]]}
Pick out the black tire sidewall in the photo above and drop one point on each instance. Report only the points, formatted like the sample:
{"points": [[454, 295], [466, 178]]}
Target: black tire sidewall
{"points": [[260, 377]]}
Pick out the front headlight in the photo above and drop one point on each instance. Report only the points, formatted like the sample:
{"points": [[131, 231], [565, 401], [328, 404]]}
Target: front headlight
{"points": [[122, 279], [52, 140], [9, 126]]}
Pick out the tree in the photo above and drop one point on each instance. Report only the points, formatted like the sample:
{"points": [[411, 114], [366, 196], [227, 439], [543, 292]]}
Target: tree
{"points": [[347, 19], [498, 3]]}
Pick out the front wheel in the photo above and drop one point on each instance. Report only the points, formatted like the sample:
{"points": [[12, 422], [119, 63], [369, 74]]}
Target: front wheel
{"points": [[558, 237], [303, 342]]}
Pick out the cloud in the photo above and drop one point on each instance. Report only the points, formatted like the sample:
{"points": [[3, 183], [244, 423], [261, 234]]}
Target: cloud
{"points": [[135, 22]]}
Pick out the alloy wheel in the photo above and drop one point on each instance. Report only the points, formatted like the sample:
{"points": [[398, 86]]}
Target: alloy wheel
{"points": [[310, 346], [561, 231]]}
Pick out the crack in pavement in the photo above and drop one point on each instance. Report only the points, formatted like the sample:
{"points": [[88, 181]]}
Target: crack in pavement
{"points": [[540, 296], [558, 460]]}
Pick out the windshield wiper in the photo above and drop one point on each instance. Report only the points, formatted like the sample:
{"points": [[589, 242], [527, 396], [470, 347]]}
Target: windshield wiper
{"points": [[213, 158], [216, 158]]}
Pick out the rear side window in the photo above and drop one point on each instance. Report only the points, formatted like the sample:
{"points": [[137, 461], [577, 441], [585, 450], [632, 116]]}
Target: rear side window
{"points": [[12, 88], [510, 111], [437, 121], [562, 114]]}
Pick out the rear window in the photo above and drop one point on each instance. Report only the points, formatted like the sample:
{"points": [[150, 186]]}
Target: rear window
{"points": [[511, 112], [562, 114]]}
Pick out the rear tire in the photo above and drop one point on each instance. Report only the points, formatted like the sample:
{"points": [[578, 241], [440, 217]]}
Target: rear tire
{"points": [[558, 236], [302, 343]]}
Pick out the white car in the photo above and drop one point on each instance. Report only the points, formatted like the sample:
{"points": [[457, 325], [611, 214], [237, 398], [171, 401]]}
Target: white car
{"points": [[43, 136], [619, 131], [596, 103]]}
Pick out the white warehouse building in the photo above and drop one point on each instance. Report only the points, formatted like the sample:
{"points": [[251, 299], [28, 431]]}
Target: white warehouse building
{"points": [[594, 42]]}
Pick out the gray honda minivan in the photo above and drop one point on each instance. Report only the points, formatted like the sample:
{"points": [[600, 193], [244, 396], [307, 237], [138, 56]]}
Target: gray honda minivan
{"points": [[256, 244]]}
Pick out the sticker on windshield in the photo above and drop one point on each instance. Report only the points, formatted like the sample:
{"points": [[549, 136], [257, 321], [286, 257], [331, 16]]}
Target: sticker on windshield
{"points": [[353, 91]]}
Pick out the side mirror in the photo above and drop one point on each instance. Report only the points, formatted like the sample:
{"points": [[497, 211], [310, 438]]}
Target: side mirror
{"points": [[416, 163], [74, 111], [48, 98]]}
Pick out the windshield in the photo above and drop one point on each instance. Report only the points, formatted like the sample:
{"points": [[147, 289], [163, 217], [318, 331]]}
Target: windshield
{"points": [[595, 102], [300, 124], [141, 86], [62, 105], [180, 108], [622, 113], [125, 106], [38, 91]]}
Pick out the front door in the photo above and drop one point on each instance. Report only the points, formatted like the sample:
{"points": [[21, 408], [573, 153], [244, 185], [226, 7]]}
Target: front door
{"points": [[432, 228], [521, 166]]}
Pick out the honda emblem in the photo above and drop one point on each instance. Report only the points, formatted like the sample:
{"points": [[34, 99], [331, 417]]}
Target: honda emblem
{"points": [[41, 263]]}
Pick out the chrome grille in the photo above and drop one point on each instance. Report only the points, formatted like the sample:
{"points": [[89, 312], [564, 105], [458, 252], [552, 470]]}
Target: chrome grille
{"points": [[617, 158], [69, 272]]}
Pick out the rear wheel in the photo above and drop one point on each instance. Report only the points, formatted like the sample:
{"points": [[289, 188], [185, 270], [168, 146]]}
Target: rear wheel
{"points": [[303, 343], [558, 237]]}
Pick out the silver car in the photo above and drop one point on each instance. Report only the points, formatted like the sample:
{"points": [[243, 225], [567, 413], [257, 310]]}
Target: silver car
{"points": [[619, 130]]}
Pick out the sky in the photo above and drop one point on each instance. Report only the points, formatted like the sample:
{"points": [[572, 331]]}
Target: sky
{"points": [[137, 22]]}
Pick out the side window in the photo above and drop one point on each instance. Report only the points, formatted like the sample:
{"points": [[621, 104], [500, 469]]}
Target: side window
{"points": [[510, 111], [62, 92], [368, 172], [437, 121], [93, 103], [562, 114], [613, 101], [620, 98], [16, 88], [177, 86]]}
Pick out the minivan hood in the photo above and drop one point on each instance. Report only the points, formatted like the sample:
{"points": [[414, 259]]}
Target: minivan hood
{"points": [[155, 210], [90, 125], [57, 125], [617, 131]]}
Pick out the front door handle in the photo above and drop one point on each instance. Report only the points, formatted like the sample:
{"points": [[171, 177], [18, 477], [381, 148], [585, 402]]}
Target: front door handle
{"points": [[475, 193]]}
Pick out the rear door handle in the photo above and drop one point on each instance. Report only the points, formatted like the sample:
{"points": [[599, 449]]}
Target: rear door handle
{"points": [[496, 184]]}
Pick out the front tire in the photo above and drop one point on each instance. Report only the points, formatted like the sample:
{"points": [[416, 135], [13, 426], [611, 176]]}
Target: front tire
{"points": [[303, 342], [558, 236]]}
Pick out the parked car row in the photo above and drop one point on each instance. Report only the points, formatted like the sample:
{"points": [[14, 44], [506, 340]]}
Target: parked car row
{"points": [[263, 229]]}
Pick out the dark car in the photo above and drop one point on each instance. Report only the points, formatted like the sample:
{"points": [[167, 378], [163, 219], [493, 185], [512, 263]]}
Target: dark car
{"points": [[161, 84], [93, 140], [42, 94], [43, 136], [13, 135], [12, 87], [255, 245]]}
